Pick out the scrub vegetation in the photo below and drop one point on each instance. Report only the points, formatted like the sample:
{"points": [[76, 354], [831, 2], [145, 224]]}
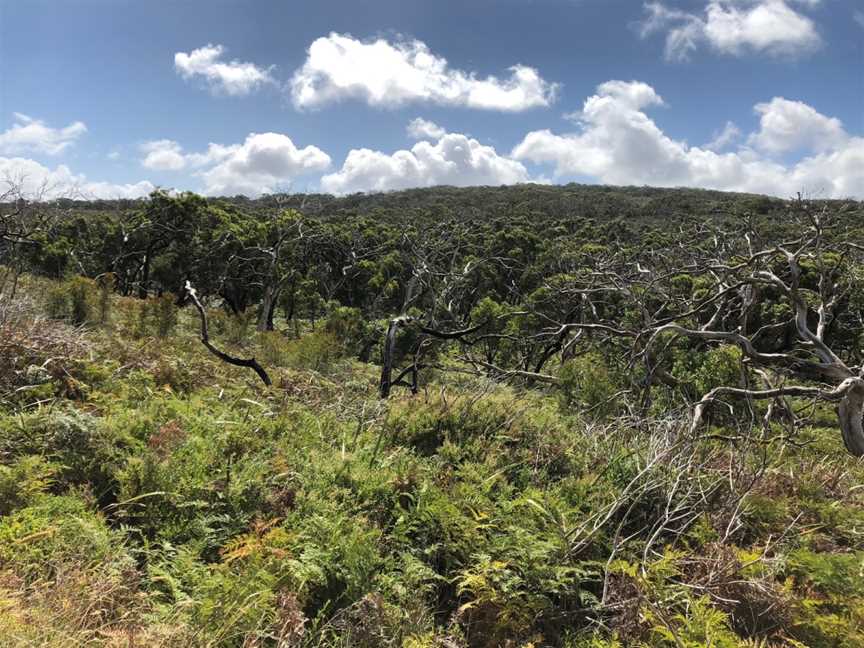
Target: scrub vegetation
{"points": [[524, 416]]}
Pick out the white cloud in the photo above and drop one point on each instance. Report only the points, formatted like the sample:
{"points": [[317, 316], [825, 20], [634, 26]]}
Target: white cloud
{"points": [[735, 27], [33, 135], [38, 181], [421, 129], [725, 138], [385, 74], [793, 125], [859, 18], [163, 155], [454, 160], [232, 77], [619, 144], [168, 155], [264, 163]]}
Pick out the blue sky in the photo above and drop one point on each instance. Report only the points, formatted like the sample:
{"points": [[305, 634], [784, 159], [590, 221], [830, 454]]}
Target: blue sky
{"points": [[113, 97]]}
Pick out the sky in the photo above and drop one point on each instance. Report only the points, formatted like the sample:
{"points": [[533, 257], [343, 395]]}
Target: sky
{"points": [[113, 98]]}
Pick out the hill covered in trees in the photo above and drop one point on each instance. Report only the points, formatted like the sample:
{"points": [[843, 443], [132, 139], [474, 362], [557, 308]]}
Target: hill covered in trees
{"points": [[517, 416]]}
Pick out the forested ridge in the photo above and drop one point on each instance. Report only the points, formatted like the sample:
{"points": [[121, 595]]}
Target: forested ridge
{"points": [[492, 416]]}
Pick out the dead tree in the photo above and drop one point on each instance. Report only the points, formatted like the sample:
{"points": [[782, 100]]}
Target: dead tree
{"points": [[251, 363], [387, 382], [807, 366]]}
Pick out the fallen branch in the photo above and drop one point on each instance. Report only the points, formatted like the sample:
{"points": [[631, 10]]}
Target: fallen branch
{"points": [[251, 363]]}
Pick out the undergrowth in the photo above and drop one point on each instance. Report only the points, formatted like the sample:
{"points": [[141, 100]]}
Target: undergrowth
{"points": [[152, 496]]}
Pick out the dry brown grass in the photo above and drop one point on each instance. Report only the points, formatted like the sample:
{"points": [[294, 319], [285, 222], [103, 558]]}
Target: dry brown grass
{"points": [[80, 606]]}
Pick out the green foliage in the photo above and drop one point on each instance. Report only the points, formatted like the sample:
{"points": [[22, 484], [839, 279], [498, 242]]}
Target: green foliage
{"points": [[832, 611], [23, 481], [81, 449], [106, 284], [316, 351], [75, 300], [587, 384], [353, 333], [150, 493], [55, 530], [165, 315]]}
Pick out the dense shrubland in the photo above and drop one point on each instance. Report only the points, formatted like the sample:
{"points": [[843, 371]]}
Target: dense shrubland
{"points": [[548, 484]]}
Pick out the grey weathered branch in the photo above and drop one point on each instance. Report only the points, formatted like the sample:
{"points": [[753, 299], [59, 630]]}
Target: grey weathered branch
{"points": [[849, 394]]}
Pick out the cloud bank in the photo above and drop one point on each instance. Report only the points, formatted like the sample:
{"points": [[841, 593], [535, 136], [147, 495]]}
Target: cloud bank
{"points": [[454, 159], [618, 143], [37, 181]]}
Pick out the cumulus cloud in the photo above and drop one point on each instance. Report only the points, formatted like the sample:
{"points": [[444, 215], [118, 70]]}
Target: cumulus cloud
{"points": [[454, 159], [163, 155], [618, 143], [234, 78], [264, 163], [735, 27], [421, 129], [385, 74], [36, 180], [793, 125], [32, 135]]}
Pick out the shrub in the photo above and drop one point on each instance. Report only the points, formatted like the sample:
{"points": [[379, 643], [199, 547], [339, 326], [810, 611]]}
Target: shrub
{"points": [[704, 371], [165, 314], [82, 296], [316, 351], [142, 311], [57, 302], [83, 450], [237, 327], [353, 333], [587, 383], [273, 349], [56, 529], [74, 300], [23, 481]]}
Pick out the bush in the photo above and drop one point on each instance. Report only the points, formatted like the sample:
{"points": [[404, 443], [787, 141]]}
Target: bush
{"points": [[273, 348], [74, 300], [106, 283], [23, 481], [56, 529], [354, 334], [237, 327], [164, 314], [57, 302], [586, 383], [316, 351], [82, 294], [83, 450]]}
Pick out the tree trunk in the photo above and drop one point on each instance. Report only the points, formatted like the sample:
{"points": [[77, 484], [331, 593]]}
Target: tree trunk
{"points": [[268, 304], [387, 361], [850, 412]]}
